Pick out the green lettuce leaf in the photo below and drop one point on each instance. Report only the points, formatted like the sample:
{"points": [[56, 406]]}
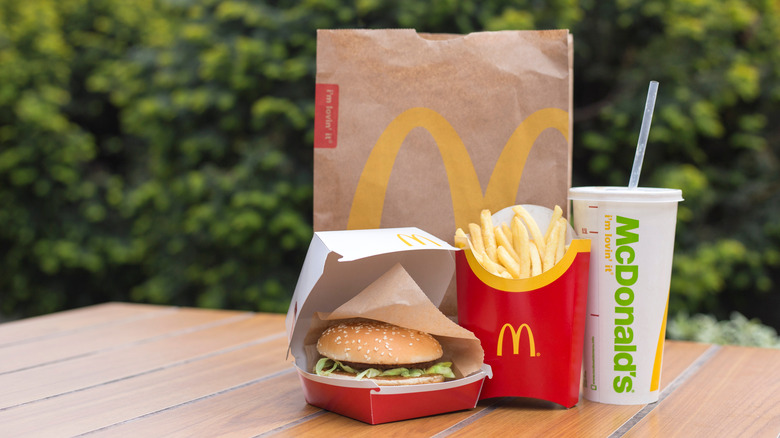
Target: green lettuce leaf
{"points": [[321, 369], [396, 372], [368, 373], [321, 364], [443, 368]]}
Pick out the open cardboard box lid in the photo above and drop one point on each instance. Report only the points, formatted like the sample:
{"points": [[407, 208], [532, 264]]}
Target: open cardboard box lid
{"points": [[339, 266]]}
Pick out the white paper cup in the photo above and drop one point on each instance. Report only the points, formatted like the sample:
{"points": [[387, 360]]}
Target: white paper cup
{"points": [[632, 244]]}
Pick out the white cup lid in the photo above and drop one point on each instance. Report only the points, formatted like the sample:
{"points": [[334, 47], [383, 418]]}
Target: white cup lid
{"points": [[624, 194]]}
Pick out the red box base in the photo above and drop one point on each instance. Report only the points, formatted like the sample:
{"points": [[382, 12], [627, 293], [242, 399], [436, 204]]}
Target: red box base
{"points": [[373, 404]]}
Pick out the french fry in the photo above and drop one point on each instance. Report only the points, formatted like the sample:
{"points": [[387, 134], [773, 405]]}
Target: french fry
{"points": [[557, 212], [480, 254], [533, 228], [561, 250], [536, 261], [498, 268], [551, 247], [521, 244], [507, 232], [477, 255], [460, 238], [495, 268], [503, 240], [475, 233], [489, 265], [488, 236], [508, 261]]}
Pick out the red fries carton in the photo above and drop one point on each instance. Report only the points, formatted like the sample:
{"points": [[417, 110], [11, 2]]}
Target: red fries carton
{"points": [[395, 275], [531, 329]]}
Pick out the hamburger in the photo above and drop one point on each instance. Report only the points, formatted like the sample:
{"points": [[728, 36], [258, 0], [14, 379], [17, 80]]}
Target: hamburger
{"points": [[384, 353]]}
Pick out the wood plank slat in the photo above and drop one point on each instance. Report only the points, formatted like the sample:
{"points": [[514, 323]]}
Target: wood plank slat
{"points": [[587, 419], [736, 393], [15, 332], [77, 374], [168, 391], [247, 411], [330, 424], [78, 343]]}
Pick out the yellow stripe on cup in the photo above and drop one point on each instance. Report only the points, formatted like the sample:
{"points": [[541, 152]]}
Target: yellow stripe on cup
{"points": [[659, 353]]}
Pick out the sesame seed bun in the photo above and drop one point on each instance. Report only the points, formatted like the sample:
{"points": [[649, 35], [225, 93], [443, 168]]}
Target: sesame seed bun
{"points": [[377, 343]]}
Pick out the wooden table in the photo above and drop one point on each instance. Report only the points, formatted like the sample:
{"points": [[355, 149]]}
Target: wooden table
{"points": [[147, 371]]}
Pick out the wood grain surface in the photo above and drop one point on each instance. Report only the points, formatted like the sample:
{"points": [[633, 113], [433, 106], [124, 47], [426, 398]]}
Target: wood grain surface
{"points": [[122, 370], [736, 393]]}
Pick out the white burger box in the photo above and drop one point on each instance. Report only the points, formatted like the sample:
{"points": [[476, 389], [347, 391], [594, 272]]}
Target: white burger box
{"points": [[396, 275]]}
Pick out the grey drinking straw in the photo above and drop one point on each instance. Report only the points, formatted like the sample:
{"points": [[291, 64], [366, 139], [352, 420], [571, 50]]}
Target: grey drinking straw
{"points": [[644, 131]]}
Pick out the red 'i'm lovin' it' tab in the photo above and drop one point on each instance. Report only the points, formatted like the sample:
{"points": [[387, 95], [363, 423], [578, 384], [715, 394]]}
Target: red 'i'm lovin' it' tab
{"points": [[326, 115]]}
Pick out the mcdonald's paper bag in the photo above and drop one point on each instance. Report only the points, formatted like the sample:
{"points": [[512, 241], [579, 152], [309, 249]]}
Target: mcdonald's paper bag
{"points": [[427, 130]]}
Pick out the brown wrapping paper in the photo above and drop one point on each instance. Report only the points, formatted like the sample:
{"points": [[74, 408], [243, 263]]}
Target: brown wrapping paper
{"points": [[427, 130], [396, 299]]}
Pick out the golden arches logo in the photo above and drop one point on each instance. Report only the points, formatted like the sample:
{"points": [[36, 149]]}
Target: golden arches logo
{"points": [[465, 189], [516, 339], [416, 238]]}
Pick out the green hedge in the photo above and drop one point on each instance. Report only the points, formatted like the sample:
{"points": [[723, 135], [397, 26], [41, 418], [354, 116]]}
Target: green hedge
{"points": [[160, 150], [153, 151], [735, 330]]}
